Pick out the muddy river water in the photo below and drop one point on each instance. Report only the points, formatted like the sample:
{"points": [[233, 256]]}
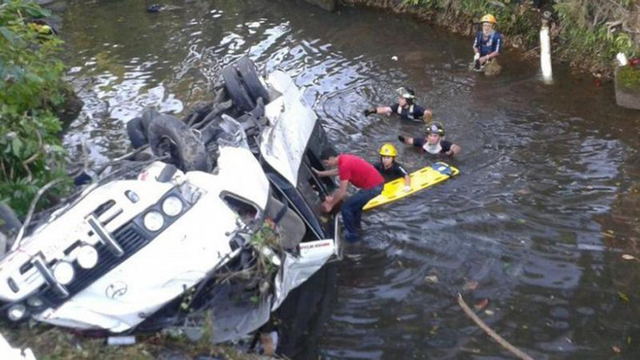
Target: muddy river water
{"points": [[537, 222]]}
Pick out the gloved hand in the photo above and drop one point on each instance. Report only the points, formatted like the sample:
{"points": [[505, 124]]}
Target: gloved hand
{"points": [[476, 62], [401, 138], [406, 188], [369, 112]]}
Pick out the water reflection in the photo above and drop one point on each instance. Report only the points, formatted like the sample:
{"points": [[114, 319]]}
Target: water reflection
{"points": [[544, 175]]}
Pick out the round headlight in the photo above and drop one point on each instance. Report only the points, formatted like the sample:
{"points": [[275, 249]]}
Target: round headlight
{"points": [[63, 272], [153, 221], [172, 206], [87, 256], [16, 312], [35, 302]]}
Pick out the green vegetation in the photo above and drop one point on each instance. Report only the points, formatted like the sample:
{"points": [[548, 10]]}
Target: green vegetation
{"points": [[266, 237], [629, 78], [589, 33], [31, 86], [592, 32]]}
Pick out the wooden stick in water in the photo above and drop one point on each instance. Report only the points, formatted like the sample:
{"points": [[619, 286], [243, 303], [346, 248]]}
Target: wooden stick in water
{"points": [[490, 332]]}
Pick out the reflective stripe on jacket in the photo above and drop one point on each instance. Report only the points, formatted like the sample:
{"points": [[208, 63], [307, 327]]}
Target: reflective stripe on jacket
{"points": [[492, 44]]}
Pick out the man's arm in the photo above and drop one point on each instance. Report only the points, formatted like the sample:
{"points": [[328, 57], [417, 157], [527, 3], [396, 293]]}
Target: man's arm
{"points": [[384, 110], [420, 112], [410, 141], [484, 59], [331, 200], [495, 53], [341, 192], [325, 173], [402, 172], [407, 181], [454, 150], [428, 115]]}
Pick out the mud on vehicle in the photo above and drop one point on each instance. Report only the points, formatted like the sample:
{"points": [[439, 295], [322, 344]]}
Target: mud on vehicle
{"points": [[228, 191]]}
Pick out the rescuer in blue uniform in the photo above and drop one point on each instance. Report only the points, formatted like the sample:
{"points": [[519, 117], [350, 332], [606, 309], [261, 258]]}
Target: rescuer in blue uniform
{"points": [[390, 169], [406, 108], [488, 42], [433, 143]]}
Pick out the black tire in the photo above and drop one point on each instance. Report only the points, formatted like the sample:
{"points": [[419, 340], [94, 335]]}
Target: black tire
{"points": [[236, 90], [137, 134], [168, 135], [251, 79], [147, 117]]}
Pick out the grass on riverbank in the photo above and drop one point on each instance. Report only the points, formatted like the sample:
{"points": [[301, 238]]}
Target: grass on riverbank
{"points": [[52, 343]]}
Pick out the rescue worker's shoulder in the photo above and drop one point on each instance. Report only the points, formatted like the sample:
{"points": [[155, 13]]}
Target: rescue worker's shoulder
{"points": [[418, 111], [400, 169]]}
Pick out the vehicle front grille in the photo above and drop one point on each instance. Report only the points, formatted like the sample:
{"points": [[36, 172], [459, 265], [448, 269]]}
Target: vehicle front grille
{"points": [[130, 237]]}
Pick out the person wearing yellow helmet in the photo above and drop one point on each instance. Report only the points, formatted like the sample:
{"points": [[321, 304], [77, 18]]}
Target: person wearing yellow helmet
{"points": [[389, 168], [406, 107], [433, 143], [488, 42]]}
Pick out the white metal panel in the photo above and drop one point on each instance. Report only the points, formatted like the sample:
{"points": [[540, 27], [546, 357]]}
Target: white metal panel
{"points": [[296, 270], [53, 238], [243, 175], [9, 353], [177, 259], [282, 145]]}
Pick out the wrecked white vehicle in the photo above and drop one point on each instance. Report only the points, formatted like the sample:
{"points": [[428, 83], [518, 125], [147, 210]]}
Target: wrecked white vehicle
{"points": [[233, 197], [9, 353]]}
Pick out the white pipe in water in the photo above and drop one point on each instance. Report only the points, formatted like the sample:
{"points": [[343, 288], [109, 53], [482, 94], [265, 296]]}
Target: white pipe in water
{"points": [[545, 52]]}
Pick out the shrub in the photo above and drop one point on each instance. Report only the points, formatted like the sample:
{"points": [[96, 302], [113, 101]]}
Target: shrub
{"points": [[596, 30], [629, 78], [30, 86]]}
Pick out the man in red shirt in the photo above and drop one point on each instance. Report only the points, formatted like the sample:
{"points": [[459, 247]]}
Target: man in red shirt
{"points": [[361, 174]]}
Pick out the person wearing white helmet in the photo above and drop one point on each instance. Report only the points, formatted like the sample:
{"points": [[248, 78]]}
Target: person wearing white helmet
{"points": [[405, 107], [488, 42], [433, 143]]}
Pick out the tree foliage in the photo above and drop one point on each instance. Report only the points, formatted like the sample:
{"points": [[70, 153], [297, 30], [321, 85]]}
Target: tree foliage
{"points": [[599, 28], [30, 86]]}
